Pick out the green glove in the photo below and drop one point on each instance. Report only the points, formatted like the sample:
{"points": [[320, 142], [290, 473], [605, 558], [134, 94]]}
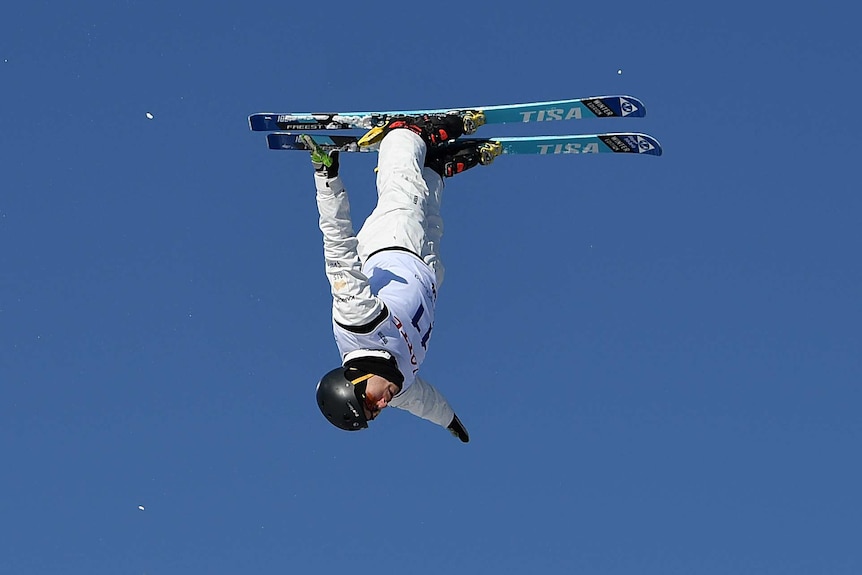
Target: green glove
{"points": [[324, 162]]}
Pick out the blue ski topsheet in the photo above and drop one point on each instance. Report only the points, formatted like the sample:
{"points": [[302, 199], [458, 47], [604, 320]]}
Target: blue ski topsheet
{"points": [[625, 143], [617, 143], [574, 109]]}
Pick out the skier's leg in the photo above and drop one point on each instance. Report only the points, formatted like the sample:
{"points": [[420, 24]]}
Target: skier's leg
{"points": [[433, 223], [398, 221], [434, 129], [458, 156]]}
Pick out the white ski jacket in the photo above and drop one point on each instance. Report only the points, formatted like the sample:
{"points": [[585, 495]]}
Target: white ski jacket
{"points": [[386, 303]]}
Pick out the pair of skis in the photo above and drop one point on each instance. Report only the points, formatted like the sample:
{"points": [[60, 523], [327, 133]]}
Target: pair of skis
{"points": [[289, 131]]}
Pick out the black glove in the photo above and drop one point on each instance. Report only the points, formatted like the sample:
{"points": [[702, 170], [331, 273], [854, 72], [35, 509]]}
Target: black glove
{"points": [[457, 429]]}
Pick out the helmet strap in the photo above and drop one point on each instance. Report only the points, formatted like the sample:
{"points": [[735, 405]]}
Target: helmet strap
{"points": [[362, 378]]}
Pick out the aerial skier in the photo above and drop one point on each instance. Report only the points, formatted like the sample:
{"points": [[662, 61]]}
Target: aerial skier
{"points": [[385, 279]]}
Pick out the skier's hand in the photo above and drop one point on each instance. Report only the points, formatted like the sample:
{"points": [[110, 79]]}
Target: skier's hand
{"points": [[327, 164], [324, 163], [457, 429]]}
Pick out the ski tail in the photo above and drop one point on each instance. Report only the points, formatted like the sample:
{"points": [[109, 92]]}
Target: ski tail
{"points": [[301, 142]]}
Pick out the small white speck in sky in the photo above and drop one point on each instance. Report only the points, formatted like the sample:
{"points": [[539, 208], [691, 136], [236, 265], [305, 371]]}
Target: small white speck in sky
{"points": [[150, 116], [620, 71], [141, 507]]}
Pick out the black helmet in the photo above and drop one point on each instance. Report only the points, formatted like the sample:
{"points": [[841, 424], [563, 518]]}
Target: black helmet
{"points": [[338, 401], [341, 392]]}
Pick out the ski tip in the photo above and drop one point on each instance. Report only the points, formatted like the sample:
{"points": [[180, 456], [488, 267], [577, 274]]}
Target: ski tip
{"points": [[633, 143], [649, 145], [625, 106]]}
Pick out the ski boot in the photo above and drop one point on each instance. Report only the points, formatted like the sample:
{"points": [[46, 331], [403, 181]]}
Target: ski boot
{"points": [[434, 129], [453, 158]]}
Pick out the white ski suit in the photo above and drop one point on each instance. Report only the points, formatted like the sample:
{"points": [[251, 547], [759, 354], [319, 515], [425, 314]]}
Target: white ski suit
{"points": [[384, 280]]}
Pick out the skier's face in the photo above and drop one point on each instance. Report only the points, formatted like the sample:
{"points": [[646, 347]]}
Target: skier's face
{"points": [[378, 393]]}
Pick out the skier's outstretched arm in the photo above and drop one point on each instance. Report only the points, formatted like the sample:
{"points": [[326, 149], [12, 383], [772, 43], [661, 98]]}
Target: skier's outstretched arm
{"points": [[353, 304], [424, 400]]}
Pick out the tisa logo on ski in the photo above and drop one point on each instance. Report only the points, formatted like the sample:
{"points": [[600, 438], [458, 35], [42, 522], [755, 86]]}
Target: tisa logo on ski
{"points": [[551, 114], [569, 148]]}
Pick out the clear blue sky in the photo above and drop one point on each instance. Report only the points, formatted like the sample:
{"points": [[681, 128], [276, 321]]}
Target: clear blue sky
{"points": [[658, 359]]}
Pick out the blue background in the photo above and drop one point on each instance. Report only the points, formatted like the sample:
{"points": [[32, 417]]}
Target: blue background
{"points": [[658, 359]]}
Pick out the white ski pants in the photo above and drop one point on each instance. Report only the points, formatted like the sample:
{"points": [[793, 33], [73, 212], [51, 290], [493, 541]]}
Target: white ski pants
{"points": [[408, 203]]}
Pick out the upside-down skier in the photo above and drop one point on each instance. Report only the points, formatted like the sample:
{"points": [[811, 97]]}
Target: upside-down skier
{"points": [[385, 279]]}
